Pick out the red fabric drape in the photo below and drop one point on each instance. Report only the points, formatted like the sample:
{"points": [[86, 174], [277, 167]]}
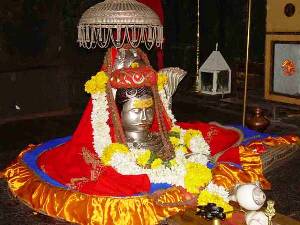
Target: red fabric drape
{"points": [[66, 164], [218, 139]]}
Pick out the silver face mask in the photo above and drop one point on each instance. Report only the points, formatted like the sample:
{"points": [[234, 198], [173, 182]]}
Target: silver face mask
{"points": [[137, 118], [137, 114]]}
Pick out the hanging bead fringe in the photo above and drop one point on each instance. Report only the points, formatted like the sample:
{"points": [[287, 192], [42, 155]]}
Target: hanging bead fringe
{"points": [[91, 36]]}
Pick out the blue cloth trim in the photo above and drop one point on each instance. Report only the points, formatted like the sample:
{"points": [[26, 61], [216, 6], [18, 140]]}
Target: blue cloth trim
{"points": [[158, 186], [211, 165], [30, 159], [251, 135]]}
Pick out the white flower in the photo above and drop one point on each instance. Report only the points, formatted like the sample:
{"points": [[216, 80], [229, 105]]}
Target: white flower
{"points": [[198, 158], [125, 164], [219, 190], [199, 145], [179, 155], [165, 102], [99, 118]]}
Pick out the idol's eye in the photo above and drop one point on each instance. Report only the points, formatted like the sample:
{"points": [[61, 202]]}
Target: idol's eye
{"points": [[135, 110], [149, 110]]}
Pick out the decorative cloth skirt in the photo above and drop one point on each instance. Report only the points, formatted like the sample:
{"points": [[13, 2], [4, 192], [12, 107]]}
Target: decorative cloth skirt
{"points": [[43, 194], [31, 185]]}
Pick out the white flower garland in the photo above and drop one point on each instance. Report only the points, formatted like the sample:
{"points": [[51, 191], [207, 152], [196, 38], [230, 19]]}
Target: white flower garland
{"points": [[219, 190], [99, 118], [125, 163], [165, 102], [199, 147]]}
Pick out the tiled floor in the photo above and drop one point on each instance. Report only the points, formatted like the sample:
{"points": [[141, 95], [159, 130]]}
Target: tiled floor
{"points": [[15, 136]]}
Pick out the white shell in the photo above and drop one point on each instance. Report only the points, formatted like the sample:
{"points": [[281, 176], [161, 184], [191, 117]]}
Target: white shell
{"points": [[256, 218], [175, 75], [250, 196]]}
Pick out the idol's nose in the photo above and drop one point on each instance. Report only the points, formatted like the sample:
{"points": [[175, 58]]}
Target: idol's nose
{"points": [[144, 115]]}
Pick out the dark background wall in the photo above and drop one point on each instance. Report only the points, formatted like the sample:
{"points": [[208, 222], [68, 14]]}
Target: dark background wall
{"points": [[42, 69]]}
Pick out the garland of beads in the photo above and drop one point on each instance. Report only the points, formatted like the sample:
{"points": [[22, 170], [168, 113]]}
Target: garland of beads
{"points": [[167, 152]]}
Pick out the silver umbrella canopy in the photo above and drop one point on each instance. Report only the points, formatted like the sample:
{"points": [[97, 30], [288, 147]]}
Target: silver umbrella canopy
{"points": [[119, 22]]}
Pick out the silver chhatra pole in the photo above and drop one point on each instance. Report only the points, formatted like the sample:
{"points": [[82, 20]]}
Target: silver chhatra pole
{"points": [[196, 85], [247, 62]]}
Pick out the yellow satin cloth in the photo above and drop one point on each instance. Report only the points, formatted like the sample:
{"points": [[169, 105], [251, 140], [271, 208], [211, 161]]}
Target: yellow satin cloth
{"points": [[228, 176], [87, 209]]}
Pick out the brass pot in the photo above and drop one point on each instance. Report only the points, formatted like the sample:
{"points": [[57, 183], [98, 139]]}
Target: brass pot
{"points": [[257, 121]]}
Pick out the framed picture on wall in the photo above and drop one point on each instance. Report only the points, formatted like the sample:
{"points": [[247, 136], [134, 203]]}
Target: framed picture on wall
{"points": [[282, 68]]}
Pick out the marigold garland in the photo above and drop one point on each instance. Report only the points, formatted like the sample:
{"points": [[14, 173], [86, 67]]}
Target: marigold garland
{"points": [[182, 148], [174, 141], [156, 163], [176, 129], [189, 135], [197, 176], [173, 162], [162, 79], [112, 149], [142, 160], [97, 83]]}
